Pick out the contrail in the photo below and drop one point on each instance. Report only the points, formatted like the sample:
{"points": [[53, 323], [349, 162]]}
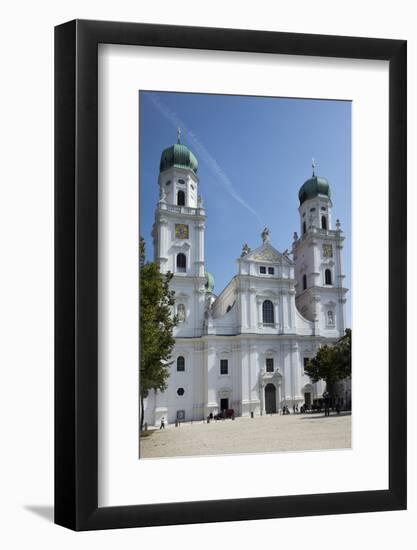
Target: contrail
{"points": [[203, 153]]}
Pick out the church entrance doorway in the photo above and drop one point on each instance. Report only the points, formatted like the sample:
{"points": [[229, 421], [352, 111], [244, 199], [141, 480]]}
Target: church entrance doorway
{"points": [[270, 399], [307, 398], [224, 404]]}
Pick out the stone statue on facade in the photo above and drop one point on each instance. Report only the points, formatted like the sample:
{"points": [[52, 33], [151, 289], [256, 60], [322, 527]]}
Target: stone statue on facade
{"points": [[209, 306], [265, 235], [181, 313], [208, 313], [245, 250], [162, 195], [200, 203]]}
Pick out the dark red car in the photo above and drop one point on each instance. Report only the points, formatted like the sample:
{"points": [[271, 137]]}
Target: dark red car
{"points": [[226, 413]]}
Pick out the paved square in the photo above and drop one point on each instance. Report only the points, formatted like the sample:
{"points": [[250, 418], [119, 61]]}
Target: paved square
{"points": [[262, 434]]}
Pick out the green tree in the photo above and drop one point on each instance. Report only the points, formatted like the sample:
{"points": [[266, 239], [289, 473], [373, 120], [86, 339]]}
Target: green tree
{"points": [[156, 327], [344, 357], [332, 363]]}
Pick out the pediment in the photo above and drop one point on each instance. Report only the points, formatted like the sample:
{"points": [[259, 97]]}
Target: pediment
{"points": [[267, 253]]}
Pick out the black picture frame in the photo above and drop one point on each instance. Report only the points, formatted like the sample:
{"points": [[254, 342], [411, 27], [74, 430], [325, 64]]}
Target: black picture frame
{"points": [[76, 272]]}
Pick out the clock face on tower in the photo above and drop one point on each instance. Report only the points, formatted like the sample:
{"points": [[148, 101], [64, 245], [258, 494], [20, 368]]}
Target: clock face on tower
{"points": [[327, 251], [181, 231]]}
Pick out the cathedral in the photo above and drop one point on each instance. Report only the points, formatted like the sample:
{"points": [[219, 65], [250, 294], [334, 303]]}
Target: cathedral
{"points": [[244, 348]]}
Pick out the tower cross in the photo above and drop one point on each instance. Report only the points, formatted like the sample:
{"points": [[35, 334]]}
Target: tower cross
{"points": [[313, 165], [178, 135]]}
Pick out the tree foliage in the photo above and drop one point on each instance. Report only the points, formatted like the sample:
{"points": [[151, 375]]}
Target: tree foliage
{"points": [[332, 363], [156, 327]]}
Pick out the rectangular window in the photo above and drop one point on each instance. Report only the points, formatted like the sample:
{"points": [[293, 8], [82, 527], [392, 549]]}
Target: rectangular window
{"points": [[304, 282], [269, 364], [224, 366], [306, 360], [262, 269], [271, 270]]}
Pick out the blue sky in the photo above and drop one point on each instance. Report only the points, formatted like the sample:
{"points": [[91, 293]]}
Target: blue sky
{"points": [[254, 154]]}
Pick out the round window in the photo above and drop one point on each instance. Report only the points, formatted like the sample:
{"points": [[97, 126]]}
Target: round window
{"points": [[180, 391]]}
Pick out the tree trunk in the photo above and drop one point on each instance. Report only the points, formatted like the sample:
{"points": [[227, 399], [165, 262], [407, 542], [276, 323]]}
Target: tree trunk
{"points": [[330, 390], [142, 412]]}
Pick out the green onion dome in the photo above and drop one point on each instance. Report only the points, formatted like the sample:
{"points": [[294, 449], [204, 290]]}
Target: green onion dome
{"points": [[314, 187], [178, 155], [209, 282]]}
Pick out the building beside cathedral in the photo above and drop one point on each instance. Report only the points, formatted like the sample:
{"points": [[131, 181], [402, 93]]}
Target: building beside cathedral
{"points": [[245, 348]]}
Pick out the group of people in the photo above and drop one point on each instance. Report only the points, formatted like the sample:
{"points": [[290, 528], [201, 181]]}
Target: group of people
{"points": [[222, 415], [324, 404], [286, 410]]}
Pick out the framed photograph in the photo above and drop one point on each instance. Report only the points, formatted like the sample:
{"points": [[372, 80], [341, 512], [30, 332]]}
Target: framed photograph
{"points": [[230, 337]]}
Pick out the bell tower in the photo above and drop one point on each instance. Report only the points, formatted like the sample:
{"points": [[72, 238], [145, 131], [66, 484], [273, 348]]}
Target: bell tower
{"points": [[178, 234], [320, 294]]}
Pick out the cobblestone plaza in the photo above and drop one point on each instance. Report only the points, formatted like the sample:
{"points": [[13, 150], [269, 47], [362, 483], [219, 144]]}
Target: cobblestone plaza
{"points": [[270, 433]]}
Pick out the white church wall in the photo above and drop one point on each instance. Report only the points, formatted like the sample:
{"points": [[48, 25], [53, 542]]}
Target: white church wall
{"points": [[302, 325], [245, 365], [224, 385], [184, 246], [304, 256], [224, 300], [296, 371], [288, 381], [212, 380], [184, 295], [242, 267], [254, 378], [182, 380], [329, 318], [199, 379], [227, 324], [236, 377]]}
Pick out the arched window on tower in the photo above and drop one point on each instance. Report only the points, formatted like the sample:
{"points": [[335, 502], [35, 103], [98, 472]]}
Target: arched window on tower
{"points": [[181, 198], [304, 227], [268, 312], [328, 277], [180, 364], [304, 281], [181, 263], [323, 222]]}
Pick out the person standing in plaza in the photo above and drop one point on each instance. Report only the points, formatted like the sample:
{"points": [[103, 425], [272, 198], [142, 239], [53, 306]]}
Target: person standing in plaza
{"points": [[326, 398]]}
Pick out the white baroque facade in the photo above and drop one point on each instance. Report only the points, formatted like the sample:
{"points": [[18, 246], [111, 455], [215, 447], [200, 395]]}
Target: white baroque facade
{"points": [[244, 349]]}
